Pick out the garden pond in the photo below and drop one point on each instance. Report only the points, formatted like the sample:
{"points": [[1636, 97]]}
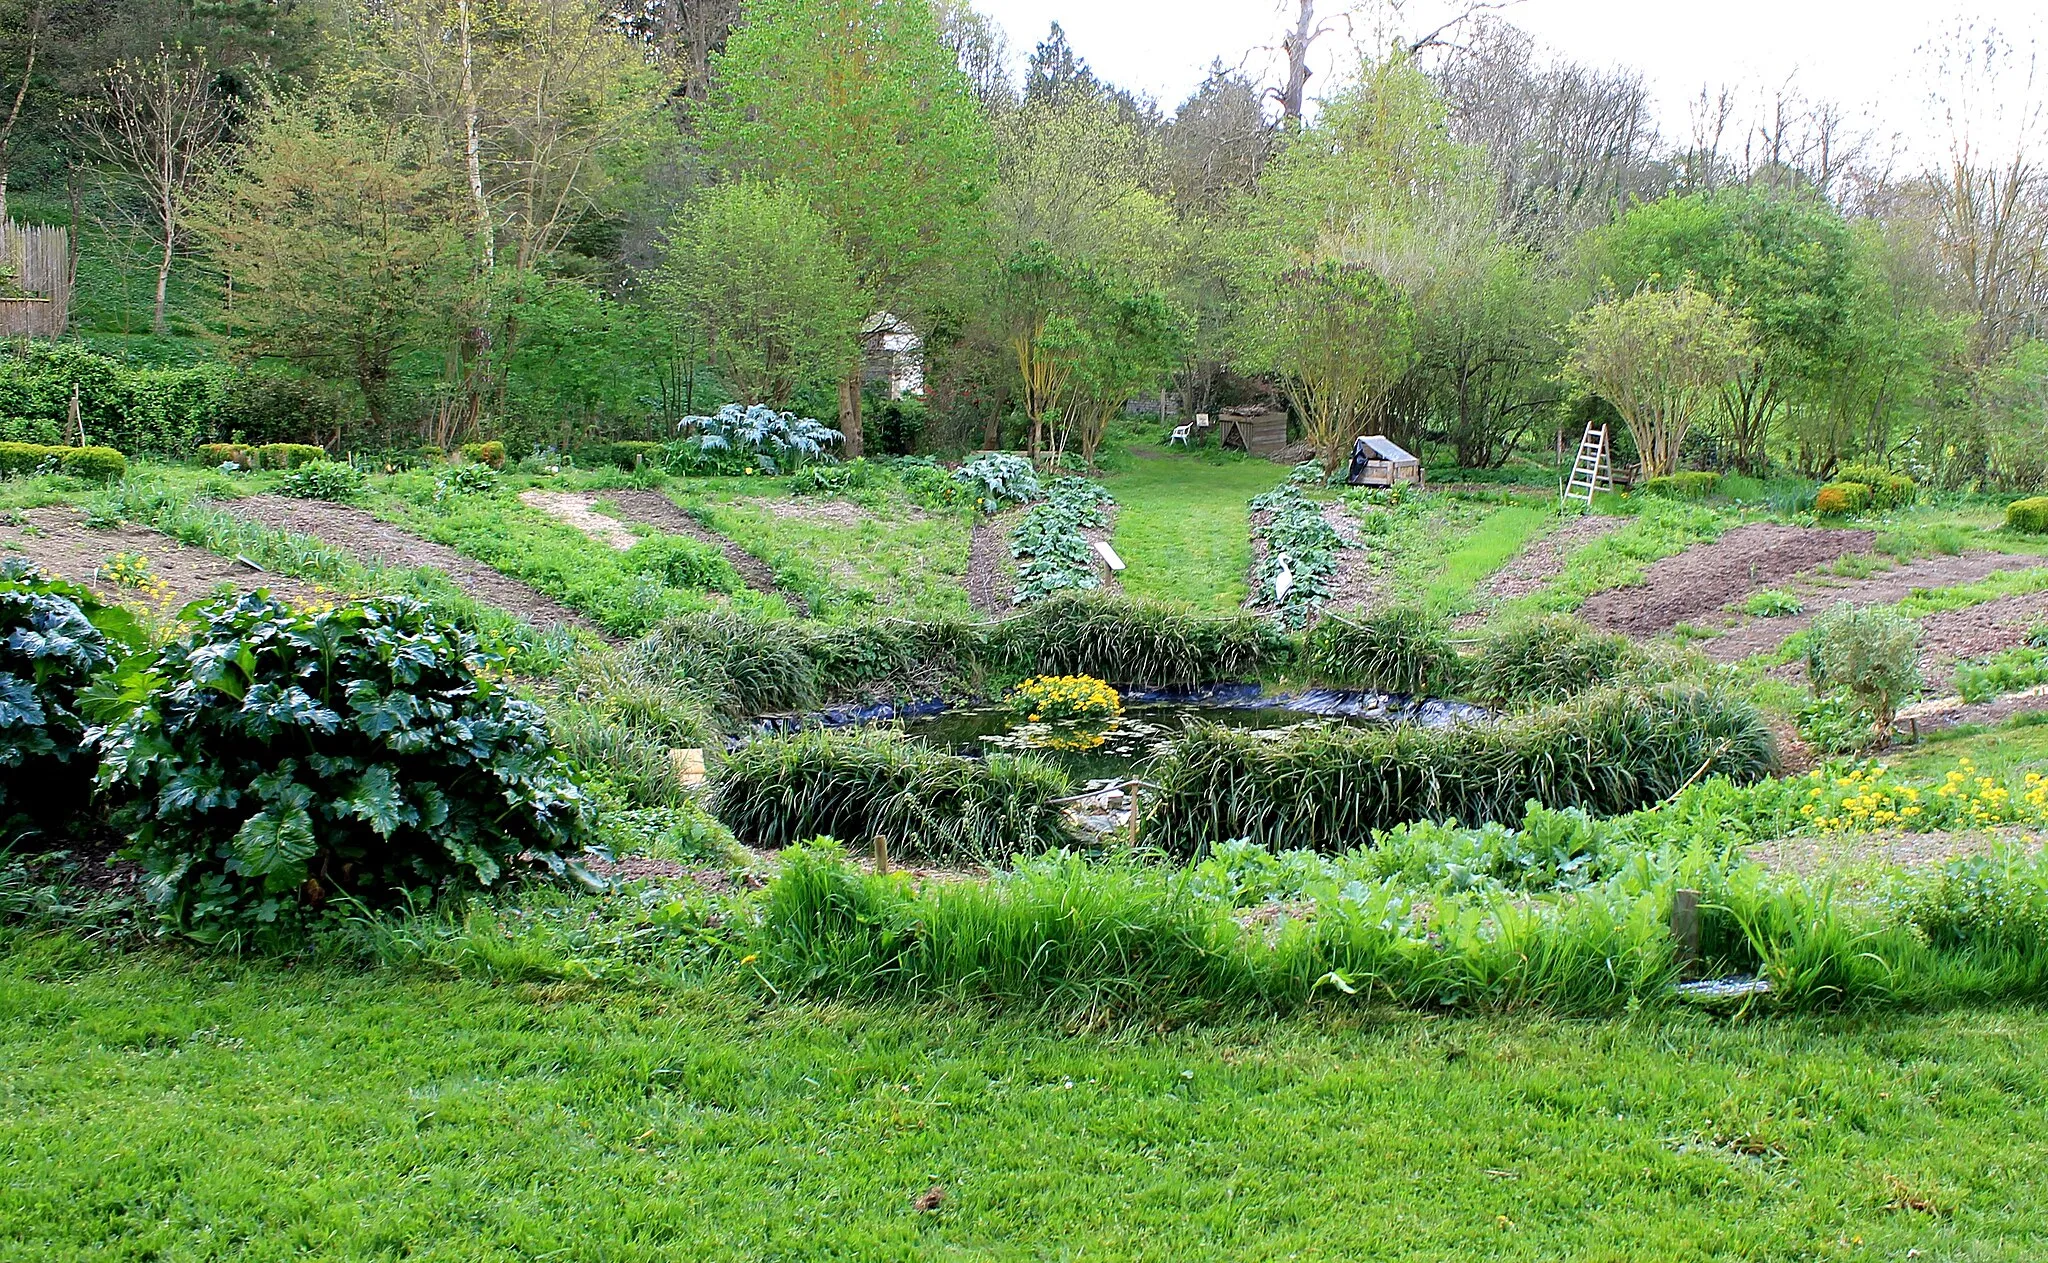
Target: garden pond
{"points": [[1149, 722]]}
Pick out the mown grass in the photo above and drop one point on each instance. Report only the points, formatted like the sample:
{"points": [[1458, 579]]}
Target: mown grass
{"points": [[201, 1109], [1183, 526]]}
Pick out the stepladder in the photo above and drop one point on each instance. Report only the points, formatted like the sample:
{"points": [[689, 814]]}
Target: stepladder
{"points": [[1593, 470]]}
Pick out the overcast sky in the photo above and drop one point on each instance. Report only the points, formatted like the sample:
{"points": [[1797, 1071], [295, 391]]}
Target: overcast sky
{"points": [[1860, 53]]}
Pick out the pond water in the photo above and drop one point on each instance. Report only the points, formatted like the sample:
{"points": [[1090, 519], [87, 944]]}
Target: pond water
{"points": [[1151, 721]]}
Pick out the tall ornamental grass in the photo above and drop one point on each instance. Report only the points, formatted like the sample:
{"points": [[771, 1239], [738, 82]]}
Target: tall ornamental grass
{"points": [[854, 784], [1405, 649], [1328, 789]]}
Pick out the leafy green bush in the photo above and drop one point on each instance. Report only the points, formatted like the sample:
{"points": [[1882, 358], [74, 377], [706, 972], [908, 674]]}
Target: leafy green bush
{"points": [[94, 464], [1545, 659], [626, 454], [324, 480], [289, 455], [274, 761], [31, 430], [738, 439], [2029, 516], [1691, 484], [465, 480], [854, 784], [158, 411], [262, 407], [1328, 789], [925, 483], [55, 637], [1872, 654], [1839, 499], [1772, 603], [826, 480], [214, 455], [491, 454], [1887, 489], [1834, 725], [1401, 650], [999, 479]]}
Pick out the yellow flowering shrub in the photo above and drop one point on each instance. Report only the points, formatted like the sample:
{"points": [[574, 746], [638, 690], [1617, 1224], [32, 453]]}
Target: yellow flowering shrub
{"points": [[1065, 699], [1869, 797]]}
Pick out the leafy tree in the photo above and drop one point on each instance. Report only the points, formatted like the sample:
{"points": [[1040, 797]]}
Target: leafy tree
{"points": [[758, 280], [1661, 357], [1338, 337], [1078, 177], [861, 107], [1131, 341], [1487, 348], [1870, 653], [1039, 296], [341, 243], [1784, 261]]}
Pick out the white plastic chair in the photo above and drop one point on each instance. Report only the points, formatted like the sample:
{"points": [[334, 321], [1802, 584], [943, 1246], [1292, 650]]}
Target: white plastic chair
{"points": [[1180, 435]]}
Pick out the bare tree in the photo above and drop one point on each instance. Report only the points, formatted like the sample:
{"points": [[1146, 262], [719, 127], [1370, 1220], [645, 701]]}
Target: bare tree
{"points": [[161, 126], [982, 50]]}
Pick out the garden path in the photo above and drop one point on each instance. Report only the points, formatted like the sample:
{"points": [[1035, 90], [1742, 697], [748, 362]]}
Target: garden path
{"points": [[652, 509], [63, 546]]}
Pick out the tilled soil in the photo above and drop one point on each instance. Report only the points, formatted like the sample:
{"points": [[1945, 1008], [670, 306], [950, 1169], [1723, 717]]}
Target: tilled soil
{"points": [[63, 546], [651, 508], [1357, 586], [1699, 581], [1976, 630], [991, 574], [362, 536], [1748, 635]]}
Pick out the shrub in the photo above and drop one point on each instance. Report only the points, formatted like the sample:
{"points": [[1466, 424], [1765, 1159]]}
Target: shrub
{"points": [[1834, 725], [854, 784], [928, 485], [288, 455], [260, 407], [999, 479], [94, 464], [31, 430], [1400, 650], [1839, 499], [1887, 489], [465, 480], [214, 455], [2029, 516], [1609, 752], [276, 760], [826, 480], [160, 411], [1545, 659], [323, 480], [1692, 484], [491, 454], [1871, 654], [625, 454], [55, 638], [1772, 603], [737, 438]]}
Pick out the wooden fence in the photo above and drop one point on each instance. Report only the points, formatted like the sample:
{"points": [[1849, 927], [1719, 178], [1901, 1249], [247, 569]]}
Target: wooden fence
{"points": [[37, 261]]}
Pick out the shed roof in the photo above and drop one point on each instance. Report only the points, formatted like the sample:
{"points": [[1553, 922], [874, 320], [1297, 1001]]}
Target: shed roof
{"points": [[1386, 449]]}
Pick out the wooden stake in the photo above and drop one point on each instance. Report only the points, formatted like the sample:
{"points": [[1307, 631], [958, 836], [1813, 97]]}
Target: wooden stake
{"points": [[1685, 925], [1132, 789], [881, 854]]}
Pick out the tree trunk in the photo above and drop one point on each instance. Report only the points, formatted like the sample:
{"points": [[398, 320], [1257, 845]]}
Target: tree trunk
{"points": [[163, 282], [849, 414], [472, 147]]}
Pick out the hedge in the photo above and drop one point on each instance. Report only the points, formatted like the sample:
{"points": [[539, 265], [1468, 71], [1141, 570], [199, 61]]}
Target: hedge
{"points": [[96, 464], [1887, 489], [2029, 516], [1839, 499], [1610, 752], [1693, 484], [625, 454], [155, 410], [492, 454]]}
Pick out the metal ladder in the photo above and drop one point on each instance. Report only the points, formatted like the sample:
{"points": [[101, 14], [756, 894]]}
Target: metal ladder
{"points": [[1592, 472]]}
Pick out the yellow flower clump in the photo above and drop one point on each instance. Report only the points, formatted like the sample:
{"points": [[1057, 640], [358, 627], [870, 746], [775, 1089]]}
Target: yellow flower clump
{"points": [[1063, 699], [1869, 797]]}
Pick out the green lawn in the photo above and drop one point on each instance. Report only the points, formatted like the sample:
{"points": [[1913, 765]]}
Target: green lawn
{"points": [[200, 1109], [1183, 528]]}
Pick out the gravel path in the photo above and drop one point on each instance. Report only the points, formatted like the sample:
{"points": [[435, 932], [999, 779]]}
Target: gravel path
{"points": [[991, 575]]}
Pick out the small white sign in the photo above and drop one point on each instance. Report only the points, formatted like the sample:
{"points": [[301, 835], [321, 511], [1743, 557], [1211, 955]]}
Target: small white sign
{"points": [[1109, 557]]}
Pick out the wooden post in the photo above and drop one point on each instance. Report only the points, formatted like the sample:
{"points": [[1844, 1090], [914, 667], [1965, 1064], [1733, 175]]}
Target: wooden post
{"points": [[1685, 926], [689, 767], [1132, 789], [881, 854]]}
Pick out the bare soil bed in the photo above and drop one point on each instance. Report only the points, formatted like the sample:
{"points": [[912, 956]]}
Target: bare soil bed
{"points": [[1748, 635], [1954, 712], [991, 575], [1543, 560], [1357, 586], [63, 546], [1699, 581], [362, 536], [1976, 630]]}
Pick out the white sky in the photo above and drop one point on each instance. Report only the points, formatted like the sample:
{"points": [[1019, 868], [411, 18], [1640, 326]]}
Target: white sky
{"points": [[1859, 53]]}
